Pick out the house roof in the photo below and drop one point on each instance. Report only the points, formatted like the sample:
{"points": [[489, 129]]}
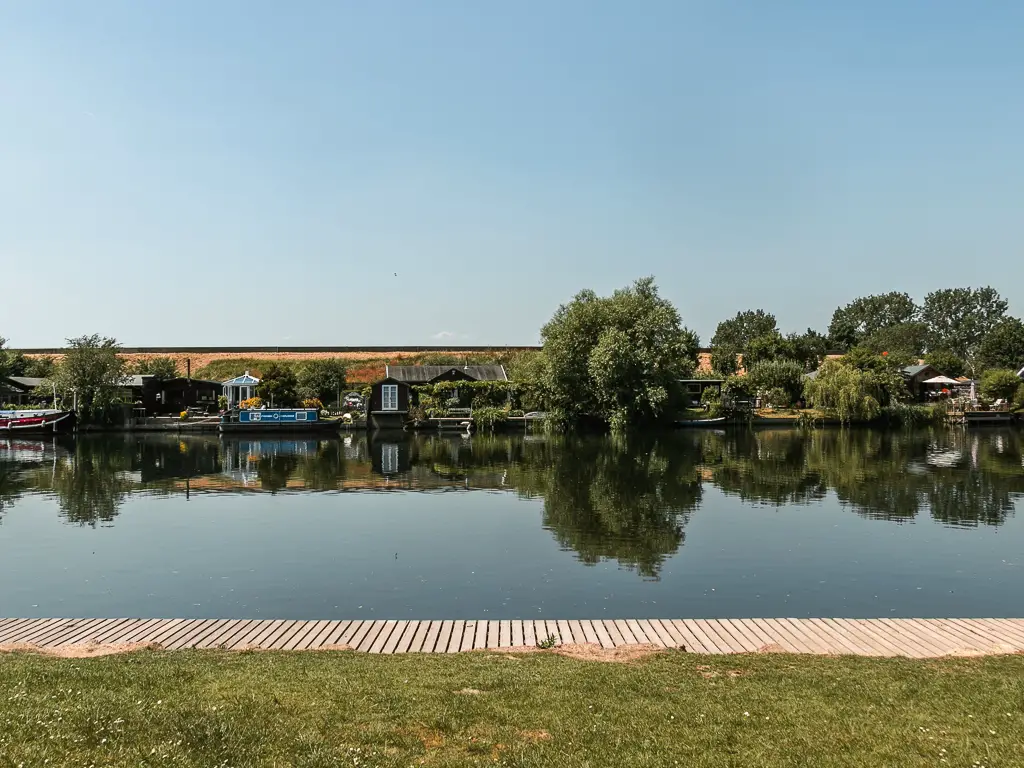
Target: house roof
{"points": [[421, 374], [25, 382], [245, 378], [913, 370], [139, 379]]}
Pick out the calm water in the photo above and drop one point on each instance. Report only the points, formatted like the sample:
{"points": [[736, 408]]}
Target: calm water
{"points": [[763, 523]]}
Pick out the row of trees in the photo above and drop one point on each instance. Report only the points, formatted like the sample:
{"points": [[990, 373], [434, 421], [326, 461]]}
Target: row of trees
{"points": [[958, 330], [93, 373], [618, 359]]}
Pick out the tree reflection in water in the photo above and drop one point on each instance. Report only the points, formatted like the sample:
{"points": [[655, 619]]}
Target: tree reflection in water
{"points": [[626, 500]]}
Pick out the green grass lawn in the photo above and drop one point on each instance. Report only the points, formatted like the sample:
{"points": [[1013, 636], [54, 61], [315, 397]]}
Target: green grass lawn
{"points": [[208, 708]]}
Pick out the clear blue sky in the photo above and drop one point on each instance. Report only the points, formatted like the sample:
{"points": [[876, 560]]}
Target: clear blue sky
{"points": [[188, 172]]}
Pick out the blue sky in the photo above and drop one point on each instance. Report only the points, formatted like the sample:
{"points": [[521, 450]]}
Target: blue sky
{"points": [[450, 171]]}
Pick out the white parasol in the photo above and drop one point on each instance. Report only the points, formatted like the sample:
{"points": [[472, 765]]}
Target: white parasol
{"points": [[941, 380]]}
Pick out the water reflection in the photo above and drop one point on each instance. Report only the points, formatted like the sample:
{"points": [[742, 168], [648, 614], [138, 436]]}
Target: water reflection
{"points": [[605, 499]]}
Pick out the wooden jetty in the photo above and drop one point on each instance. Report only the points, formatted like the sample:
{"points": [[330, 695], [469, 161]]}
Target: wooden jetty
{"points": [[916, 638]]}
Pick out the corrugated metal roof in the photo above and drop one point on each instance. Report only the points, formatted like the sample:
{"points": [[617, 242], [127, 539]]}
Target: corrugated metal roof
{"points": [[30, 382], [421, 374]]}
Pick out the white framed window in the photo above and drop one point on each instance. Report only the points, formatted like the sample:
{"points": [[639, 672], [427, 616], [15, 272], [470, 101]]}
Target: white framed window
{"points": [[389, 397]]}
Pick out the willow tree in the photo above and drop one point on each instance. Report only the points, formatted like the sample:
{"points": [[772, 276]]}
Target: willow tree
{"points": [[617, 359], [843, 392]]}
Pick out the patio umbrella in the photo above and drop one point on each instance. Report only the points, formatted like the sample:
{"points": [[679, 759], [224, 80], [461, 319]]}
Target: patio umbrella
{"points": [[941, 380]]}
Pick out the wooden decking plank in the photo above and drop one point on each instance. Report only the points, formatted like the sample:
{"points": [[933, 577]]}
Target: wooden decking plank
{"points": [[934, 646], [504, 633], [408, 633], [654, 634], [319, 637], [348, 634], [613, 632], [806, 632], [81, 635], [589, 635], [199, 633], [426, 642], [718, 633], [214, 639], [183, 634], [779, 637], [298, 631], [359, 635], [240, 629], [454, 630], [119, 626], [793, 639], [863, 643], [517, 633], [388, 644], [565, 632], [628, 638], [529, 633], [801, 639], [667, 628], [278, 635], [480, 634], [138, 632], [753, 630], [938, 640], [387, 627], [493, 634], [688, 640], [444, 636], [418, 637], [840, 641], [14, 627], [303, 640], [374, 631], [157, 634], [601, 633], [963, 639], [893, 639], [710, 645], [1011, 630], [878, 637], [335, 634], [746, 640], [638, 632], [909, 638], [252, 636], [468, 636], [59, 629], [33, 627]]}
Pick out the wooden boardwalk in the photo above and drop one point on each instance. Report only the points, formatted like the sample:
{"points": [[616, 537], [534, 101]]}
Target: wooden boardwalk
{"points": [[918, 638]]}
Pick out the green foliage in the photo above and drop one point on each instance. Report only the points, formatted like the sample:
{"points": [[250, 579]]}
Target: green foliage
{"points": [[228, 368], [946, 363], [808, 348], [1003, 346], [733, 338], [867, 315], [772, 375], [904, 340], [548, 642], [959, 319], [866, 359], [618, 359], [7, 361], [222, 402], [911, 415], [279, 386], [711, 399], [777, 397], [843, 392], [999, 384], [321, 379], [93, 375], [160, 367]]}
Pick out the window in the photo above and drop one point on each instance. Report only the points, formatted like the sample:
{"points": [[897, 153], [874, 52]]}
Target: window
{"points": [[389, 397]]}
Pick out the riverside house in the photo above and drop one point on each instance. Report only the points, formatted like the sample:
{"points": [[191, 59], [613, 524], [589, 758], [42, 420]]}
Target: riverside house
{"points": [[392, 397]]}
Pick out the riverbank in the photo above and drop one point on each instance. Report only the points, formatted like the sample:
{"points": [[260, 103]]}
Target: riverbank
{"points": [[194, 708]]}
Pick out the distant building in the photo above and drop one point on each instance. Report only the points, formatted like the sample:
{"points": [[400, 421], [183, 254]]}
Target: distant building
{"points": [[392, 397], [172, 396], [20, 390]]}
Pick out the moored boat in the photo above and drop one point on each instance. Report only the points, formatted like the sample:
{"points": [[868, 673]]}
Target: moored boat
{"points": [[38, 422], [276, 420]]}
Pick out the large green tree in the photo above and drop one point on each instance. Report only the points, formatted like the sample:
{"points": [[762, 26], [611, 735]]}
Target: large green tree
{"points": [[733, 338], [867, 315], [1003, 346], [959, 319], [908, 340], [785, 375], [617, 358], [278, 386], [161, 368], [945, 362], [843, 392], [92, 375], [322, 379]]}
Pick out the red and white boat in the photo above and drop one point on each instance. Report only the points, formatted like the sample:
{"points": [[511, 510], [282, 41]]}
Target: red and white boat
{"points": [[36, 422]]}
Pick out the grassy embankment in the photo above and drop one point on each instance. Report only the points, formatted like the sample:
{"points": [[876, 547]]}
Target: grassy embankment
{"points": [[190, 708]]}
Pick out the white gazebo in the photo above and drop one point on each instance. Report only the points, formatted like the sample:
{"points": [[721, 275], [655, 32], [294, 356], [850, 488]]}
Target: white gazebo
{"points": [[240, 388]]}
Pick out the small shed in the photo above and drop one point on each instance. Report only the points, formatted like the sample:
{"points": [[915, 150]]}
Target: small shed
{"points": [[693, 389], [172, 396], [389, 404], [239, 388], [20, 390], [916, 376]]}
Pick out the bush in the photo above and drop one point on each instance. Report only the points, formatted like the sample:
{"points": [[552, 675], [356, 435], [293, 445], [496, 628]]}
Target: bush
{"points": [[1000, 384], [251, 403], [222, 402], [313, 402], [777, 397], [773, 375]]}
